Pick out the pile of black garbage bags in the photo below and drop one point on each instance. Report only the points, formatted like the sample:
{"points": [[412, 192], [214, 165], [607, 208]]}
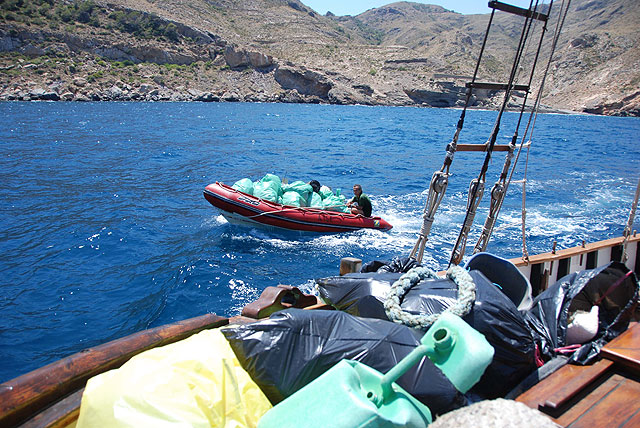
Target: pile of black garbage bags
{"points": [[293, 347]]}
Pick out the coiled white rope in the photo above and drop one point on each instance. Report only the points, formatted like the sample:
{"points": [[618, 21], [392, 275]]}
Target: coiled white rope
{"points": [[462, 306]]}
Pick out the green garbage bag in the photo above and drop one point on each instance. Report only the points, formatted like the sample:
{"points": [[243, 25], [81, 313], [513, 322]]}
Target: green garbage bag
{"points": [[274, 181], [245, 185], [304, 189], [335, 203], [325, 192], [293, 199], [269, 188], [264, 191], [315, 200]]}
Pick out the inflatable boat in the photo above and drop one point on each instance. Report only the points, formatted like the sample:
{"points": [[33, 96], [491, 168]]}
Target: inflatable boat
{"points": [[241, 208]]}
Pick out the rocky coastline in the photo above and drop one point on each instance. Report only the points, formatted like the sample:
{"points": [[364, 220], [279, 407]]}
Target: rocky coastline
{"points": [[85, 51], [230, 74]]}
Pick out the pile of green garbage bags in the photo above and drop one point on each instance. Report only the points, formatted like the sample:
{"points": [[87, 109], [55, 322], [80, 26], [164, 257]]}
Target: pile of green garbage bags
{"points": [[296, 194]]}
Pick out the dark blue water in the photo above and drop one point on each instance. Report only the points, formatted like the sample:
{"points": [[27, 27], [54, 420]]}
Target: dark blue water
{"points": [[104, 230]]}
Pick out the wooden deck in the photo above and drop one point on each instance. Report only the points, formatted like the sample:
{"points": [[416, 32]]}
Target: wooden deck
{"points": [[604, 394]]}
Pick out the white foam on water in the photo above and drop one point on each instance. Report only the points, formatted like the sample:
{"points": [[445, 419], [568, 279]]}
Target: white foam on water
{"points": [[241, 293], [308, 287], [542, 224], [214, 221]]}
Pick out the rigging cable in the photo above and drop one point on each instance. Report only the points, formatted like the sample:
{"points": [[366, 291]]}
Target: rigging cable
{"points": [[499, 189], [532, 120], [627, 230], [440, 179], [476, 187]]}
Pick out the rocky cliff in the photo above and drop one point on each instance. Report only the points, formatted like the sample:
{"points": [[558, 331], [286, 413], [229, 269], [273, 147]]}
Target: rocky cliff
{"points": [[282, 51]]}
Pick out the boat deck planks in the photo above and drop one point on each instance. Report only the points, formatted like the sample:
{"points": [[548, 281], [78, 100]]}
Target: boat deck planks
{"points": [[634, 421], [625, 349], [610, 398], [585, 396], [616, 407], [559, 396]]}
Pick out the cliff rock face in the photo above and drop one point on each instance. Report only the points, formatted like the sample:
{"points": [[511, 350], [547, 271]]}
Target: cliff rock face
{"points": [[282, 51], [306, 82], [237, 58], [438, 95]]}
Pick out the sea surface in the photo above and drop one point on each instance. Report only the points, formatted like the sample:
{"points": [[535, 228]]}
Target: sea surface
{"points": [[104, 229]]}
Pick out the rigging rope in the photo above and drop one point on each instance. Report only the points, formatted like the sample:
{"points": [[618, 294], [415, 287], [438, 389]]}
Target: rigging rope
{"points": [[627, 230], [502, 185], [534, 116], [440, 179], [476, 188], [312, 209], [499, 190]]}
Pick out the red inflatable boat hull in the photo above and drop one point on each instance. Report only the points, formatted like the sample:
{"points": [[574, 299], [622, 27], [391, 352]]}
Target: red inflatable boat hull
{"points": [[241, 207]]}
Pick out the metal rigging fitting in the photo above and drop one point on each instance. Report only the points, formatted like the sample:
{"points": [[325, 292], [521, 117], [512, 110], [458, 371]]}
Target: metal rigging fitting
{"points": [[476, 190], [437, 188]]}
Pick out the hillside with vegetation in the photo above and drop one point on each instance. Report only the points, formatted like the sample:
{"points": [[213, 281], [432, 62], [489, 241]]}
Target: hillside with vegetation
{"points": [[282, 51]]}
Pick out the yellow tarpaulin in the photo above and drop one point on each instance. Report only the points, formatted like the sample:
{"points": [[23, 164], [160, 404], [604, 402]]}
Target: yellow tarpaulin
{"points": [[197, 382]]}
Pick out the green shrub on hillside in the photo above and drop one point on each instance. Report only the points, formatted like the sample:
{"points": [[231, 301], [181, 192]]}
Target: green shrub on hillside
{"points": [[87, 12], [84, 12], [125, 63], [144, 25], [95, 76], [13, 5]]}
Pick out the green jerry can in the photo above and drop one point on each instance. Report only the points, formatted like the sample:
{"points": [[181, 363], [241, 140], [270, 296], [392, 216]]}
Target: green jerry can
{"points": [[351, 394]]}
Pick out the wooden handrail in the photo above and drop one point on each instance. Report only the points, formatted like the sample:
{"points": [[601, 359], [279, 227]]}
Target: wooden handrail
{"points": [[27, 395], [573, 251]]}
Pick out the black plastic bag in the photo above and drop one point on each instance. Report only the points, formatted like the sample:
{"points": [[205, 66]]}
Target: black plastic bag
{"points": [[372, 266], [493, 314], [548, 317], [293, 347], [398, 264], [360, 294]]}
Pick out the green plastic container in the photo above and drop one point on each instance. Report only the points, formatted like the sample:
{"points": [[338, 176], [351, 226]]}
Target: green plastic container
{"points": [[352, 394], [459, 350], [348, 395]]}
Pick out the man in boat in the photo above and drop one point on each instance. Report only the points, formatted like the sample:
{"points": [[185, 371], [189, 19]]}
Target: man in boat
{"points": [[360, 203]]}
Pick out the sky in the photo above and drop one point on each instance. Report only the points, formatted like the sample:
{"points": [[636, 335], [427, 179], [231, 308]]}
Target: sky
{"points": [[355, 7]]}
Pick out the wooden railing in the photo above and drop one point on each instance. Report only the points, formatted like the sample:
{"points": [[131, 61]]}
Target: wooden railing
{"points": [[546, 268], [50, 396]]}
